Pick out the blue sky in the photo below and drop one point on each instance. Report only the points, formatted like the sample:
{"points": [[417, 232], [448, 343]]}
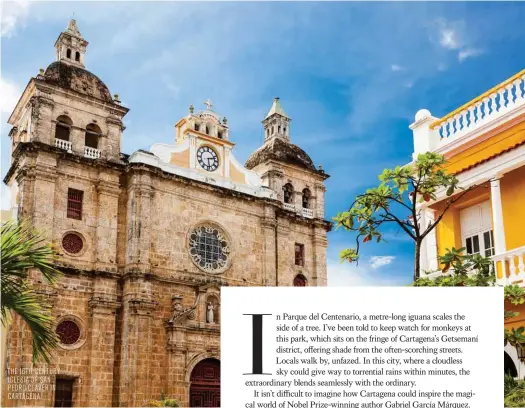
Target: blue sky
{"points": [[351, 76]]}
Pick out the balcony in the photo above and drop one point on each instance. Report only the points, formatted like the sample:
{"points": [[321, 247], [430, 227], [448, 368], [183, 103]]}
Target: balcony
{"points": [[486, 109], [91, 153], [308, 213], [289, 206], [63, 144], [511, 267]]}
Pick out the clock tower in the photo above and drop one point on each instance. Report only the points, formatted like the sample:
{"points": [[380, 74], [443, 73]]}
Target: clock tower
{"points": [[203, 151]]}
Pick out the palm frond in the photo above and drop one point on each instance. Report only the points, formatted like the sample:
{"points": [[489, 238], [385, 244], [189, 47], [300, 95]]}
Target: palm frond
{"points": [[22, 249]]}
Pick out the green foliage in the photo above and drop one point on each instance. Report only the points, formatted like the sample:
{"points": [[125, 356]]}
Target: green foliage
{"points": [[163, 402], [23, 249], [516, 398], [481, 270], [395, 201], [510, 385]]}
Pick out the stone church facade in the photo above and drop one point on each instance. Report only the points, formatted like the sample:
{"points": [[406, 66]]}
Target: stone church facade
{"points": [[146, 240]]}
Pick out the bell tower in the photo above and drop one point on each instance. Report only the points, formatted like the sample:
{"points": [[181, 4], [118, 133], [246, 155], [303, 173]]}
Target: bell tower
{"points": [[276, 123], [70, 46]]}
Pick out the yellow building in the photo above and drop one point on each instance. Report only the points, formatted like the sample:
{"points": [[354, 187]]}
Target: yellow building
{"points": [[484, 144]]}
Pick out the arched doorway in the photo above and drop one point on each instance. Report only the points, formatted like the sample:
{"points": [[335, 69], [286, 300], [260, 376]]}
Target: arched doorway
{"points": [[510, 367], [205, 388]]}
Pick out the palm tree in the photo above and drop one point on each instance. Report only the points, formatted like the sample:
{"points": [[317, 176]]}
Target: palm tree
{"points": [[24, 249]]}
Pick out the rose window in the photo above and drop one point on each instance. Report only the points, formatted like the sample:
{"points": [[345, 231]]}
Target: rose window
{"points": [[68, 332], [72, 243], [209, 248]]}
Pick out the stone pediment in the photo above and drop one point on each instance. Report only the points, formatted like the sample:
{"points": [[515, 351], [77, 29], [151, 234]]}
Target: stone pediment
{"points": [[182, 159]]}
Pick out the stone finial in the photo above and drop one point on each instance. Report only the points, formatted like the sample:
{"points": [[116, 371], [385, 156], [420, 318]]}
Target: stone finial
{"points": [[192, 109], [73, 29], [224, 120], [41, 72]]}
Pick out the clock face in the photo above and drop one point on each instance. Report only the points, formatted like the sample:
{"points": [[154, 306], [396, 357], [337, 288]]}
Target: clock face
{"points": [[207, 158]]}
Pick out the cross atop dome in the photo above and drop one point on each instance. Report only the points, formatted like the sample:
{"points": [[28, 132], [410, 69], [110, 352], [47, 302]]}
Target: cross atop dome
{"points": [[70, 46], [208, 104]]}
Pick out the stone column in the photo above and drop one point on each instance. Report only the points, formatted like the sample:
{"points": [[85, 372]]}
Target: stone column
{"points": [[103, 309], [139, 222], [497, 217], [320, 189], [137, 340], [269, 225], [319, 244], [106, 229], [112, 140]]}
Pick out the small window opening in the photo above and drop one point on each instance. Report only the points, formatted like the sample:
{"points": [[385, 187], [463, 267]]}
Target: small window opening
{"points": [[74, 203], [207, 130], [68, 53], [196, 126], [278, 129], [299, 254], [219, 134], [93, 132], [288, 193], [300, 280], [284, 130], [63, 127], [306, 198], [64, 392], [77, 56]]}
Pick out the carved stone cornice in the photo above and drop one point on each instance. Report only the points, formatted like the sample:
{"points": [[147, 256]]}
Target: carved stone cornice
{"points": [[103, 305], [111, 189], [142, 307]]}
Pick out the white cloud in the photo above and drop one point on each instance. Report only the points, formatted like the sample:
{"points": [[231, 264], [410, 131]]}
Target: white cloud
{"points": [[10, 94], [468, 53], [13, 13], [449, 39], [396, 67], [379, 261]]}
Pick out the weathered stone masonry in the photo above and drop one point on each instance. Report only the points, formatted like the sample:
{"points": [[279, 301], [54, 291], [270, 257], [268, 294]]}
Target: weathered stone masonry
{"points": [[147, 305]]}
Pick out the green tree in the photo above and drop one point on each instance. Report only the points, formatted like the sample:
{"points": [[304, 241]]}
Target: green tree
{"points": [[24, 249], [396, 201]]}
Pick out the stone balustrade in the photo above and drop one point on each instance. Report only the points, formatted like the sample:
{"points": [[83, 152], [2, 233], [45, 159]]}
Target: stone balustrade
{"points": [[63, 144], [91, 153], [308, 213], [510, 267], [486, 108], [289, 206]]}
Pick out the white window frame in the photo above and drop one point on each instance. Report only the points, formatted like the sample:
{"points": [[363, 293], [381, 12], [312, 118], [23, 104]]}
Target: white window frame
{"points": [[475, 221]]}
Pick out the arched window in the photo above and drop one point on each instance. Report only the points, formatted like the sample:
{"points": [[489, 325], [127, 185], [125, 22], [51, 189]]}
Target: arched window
{"points": [[306, 198], [300, 280], [284, 130], [63, 127], [197, 127], [288, 193], [278, 129], [219, 134], [68, 53], [207, 130], [77, 56], [93, 132]]}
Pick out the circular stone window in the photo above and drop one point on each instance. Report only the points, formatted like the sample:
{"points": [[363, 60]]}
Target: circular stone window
{"points": [[68, 332], [72, 243], [209, 248]]}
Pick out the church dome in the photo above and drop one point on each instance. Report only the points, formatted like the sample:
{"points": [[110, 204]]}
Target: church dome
{"points": [[280, 150], [77, 79]]}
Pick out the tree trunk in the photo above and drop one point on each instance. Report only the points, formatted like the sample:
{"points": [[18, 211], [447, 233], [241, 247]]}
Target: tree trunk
{"points": [[417, 257]]}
